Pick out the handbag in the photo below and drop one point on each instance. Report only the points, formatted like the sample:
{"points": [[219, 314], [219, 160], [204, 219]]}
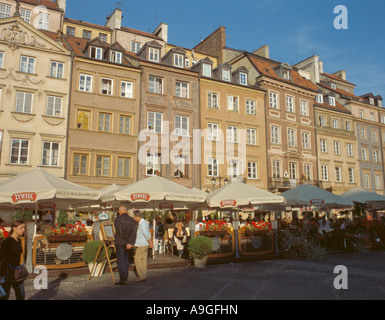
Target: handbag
{"points": [[16, 274]]}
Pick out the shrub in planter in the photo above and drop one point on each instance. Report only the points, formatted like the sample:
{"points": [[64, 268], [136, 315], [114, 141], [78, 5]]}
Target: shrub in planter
{"points": [[199, 249]]}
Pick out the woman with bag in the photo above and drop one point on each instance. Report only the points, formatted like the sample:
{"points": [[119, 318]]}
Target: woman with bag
{"points": [[10, 255]]}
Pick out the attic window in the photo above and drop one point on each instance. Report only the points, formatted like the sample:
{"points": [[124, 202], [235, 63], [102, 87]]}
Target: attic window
{"points": [[153, 55], [116, 57], [320, 98], [286, 74], [371, 101], [96, 53], [207, 70], [332, 101], [333, 86], [225, 74], [243, 78], [178, 60], [380, 103]]}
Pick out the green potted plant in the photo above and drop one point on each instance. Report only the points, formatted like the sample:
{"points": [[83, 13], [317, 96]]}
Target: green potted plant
{"points": [[199, 249], [90, 251]]}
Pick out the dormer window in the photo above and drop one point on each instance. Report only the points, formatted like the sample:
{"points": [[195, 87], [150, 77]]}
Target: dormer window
{"points": [[320, 98], [225, 74], [332, 101], [153, 54], [96, 53], [371, 101], [333, 86], [243, 78], [187, 62], [380, 103], [178, 60], [207, 70], [286, 74], [116, 57]]}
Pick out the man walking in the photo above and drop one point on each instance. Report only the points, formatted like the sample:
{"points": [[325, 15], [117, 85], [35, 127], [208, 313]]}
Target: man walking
{"points": [[125, 228], [142, 243]]}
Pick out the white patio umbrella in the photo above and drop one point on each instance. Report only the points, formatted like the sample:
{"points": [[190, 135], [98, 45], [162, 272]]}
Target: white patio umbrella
{"points": [[365, 196], [39, 188], [307, 195]]}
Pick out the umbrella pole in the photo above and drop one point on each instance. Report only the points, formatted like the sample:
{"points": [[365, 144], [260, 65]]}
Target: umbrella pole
{"points": [[153, 233]]}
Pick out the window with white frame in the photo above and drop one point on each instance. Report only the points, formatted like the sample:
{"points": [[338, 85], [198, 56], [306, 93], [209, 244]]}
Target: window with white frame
{"points": [[116, 56], [226, 75], [235, 168], [305, 140], [361, 114], [126, 89], [337, 147], [232, 103], [304, 108], [250, 107], [333, 86], [338, 174], [364, 155], [50, 155], [332, 101], [57, 70], [380, 103], [366, 181], [1, 60], [383, 119], [96, 53], [43, 21], [252, 170], [19, 151], [180, 166], [276, 169], [155, 122], [106, 86], [213, 169], [135, 46], [324, 173], [153, 164], [371, 101], [24, 102], [307, 172], [362, 133], [124, 124], [213, 132], [5, 10], [181, 126], [348, 126], [273, 100], [349, 148], [232, 134], [213, 100], [178, 60], [181, 89], [155, 85], [25, 15], [320, 98], [289, 104], [351, 175], [187, 62], [103, 37], [291, 137], [27, 64], [243, 78], [103, 166], [251, 136], [335, 123], [153, 55], [374, 134], [124, 167], [378, 182], [54, 105], [85, 82], [323, 146], [376, 156], [206, 70], [105, 121], [372, 116], [322, 121], [293, 170], [275, 136]]}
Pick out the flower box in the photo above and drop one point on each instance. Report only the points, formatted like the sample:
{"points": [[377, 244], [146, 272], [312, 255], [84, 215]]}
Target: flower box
{"points": [[67, 238], [212, 233]]}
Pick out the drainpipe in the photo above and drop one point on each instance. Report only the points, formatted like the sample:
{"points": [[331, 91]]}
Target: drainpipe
{"points": [[140, 119]]}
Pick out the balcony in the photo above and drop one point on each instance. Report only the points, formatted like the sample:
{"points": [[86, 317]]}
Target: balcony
{"points": [[284, 184]]}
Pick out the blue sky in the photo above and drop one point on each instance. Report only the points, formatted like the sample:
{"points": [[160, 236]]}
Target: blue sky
{"points": [[294, 29]]}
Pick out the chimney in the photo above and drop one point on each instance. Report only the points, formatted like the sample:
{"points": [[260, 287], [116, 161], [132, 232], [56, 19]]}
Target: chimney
{"points": [[321, 66], [263, 51], [340, 74], [114, 21], [62, 4], [162, 31]]}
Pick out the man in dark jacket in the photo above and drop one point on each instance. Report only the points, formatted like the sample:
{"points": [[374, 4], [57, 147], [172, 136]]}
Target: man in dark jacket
{"points": [[125, 237]]}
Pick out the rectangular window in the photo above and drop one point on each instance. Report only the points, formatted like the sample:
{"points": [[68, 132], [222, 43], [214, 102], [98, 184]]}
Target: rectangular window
{"points": [[155, 122], [304, 108], [232, 134], [250, 107], [252, 170], [332, 101], [293, 170], [124, 124], [126, 89], [54, 105], [378, 182], [155, 85], [104, 122], [80, 164], [103, 166], [337, 147], [361, 114], [24, 102], [87, 34], [153, 164], [351, 175], [374, 134], [382, 119], [181, 126], [320, 98], [335, 123], [71, 31], [1, 60], [85, 83], [25, 15], [376, 156], [181, 89], [275, 135], [307, 172], [349, 147], [103, 37], [289, 104], [251, 136], [207, 70], [96, 53], [324, 173], [153, 55], [235, 168], [178, 60], [305, 140], [180, 166], [348, 126], [291, 138], [232, 103], [243, 78], [213, 132], [5, 10], [27, 64], [276, 169], [43, 21], [273, 100], [135, 47], [57, 69], [116, 57], [213, 167], [323, 146], [19, 151], [338, 174], [213, 100], [124, 167], [362, 133], [83, 119], [364, 155], [106, 86], [225, 74], [50, 154], [366, 181], [322, 121]]}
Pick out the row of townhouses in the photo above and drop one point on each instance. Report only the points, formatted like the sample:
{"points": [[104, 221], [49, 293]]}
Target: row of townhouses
{"points": [[104, 104]]}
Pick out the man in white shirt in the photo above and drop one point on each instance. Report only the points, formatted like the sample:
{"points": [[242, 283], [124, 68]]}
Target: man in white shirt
{"points": [[142, 243]]}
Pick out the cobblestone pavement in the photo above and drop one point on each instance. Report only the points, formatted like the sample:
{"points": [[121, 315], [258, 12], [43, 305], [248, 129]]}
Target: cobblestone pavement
{"points": [[262, 280]]}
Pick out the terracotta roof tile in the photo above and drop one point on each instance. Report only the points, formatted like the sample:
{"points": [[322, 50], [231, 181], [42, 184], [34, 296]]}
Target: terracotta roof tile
{"points": [[47, 3], [337, 107], [343, 92], [266, 67], [142, 33], [331, 76], [87, 24]]}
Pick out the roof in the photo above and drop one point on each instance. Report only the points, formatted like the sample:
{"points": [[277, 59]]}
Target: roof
{"points": [[142, 33], [332, 76], [47, 3], [338, 107], [266, 67], [87, 24], [345, 93]]}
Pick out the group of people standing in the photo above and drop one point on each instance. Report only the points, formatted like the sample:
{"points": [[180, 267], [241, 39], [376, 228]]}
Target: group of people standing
{"points": [[131, 232]]}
